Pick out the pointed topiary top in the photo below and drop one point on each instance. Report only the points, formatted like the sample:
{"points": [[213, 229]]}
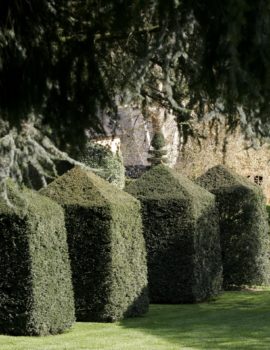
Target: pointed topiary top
{"points": [[158, 153], [24, 201], [222, 177], [82, 187], [158, 141], [162, 182]]}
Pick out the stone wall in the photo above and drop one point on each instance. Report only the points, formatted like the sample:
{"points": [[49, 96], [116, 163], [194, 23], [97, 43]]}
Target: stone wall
{"points": [[216, 146], [136, 133], [231, 149], [112, 143]]}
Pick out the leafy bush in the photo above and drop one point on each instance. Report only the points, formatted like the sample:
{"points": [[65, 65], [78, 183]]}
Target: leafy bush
{"points": [[182, 237], [106, 245], [110, 166], [243, 225], [157, 153], [158, 141], [135, 171], [36, 296]]}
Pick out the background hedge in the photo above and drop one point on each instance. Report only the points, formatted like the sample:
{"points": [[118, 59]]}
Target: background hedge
{"points": [[268, 213], [106, 245], [182, 237], [244, 227], [109, 166], [36, 296]]}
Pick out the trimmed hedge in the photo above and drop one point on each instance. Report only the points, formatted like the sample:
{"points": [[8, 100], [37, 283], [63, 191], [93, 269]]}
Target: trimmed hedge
{"points": [[106, 246], [182, 237], [157, 152], [109, 166], [268, 213], [243, 225], [36, 296]]}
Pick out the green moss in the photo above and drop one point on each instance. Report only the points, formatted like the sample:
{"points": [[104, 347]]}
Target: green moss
{"points": [[243, 225], [36, 296], [106, 246], [109, 166], [182, 236]]}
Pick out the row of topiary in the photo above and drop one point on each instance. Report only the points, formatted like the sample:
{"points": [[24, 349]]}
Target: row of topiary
{"points": [[100, 249], [181, 230], [192, 234]]}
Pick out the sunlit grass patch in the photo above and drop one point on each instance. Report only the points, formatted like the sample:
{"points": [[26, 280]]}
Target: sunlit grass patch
{"points": [[235, 320]]}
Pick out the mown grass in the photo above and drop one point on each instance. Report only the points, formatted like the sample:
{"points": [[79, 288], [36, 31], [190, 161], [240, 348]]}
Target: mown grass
{"points": [[236, 320]]}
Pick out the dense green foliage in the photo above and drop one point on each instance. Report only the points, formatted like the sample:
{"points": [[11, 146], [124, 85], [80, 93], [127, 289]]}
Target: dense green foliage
{"points": [[244, 227], [48, 69], [106, 246], [268, 212], [157, 153], [109, 166], [158, 141], [36, 296], [67, 66], [68, 60], [182, 237]]}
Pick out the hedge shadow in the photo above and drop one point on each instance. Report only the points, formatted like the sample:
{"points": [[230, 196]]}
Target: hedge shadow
{"points": [[243, 227], [182, 237], [106, 245], [36, 295]]}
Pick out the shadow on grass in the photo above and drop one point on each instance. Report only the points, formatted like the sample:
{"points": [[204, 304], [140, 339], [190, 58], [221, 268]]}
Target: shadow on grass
{"points": [[236, 320]]}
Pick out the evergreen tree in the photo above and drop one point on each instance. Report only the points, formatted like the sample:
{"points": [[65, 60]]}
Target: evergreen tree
{"points": [[67, 63]]}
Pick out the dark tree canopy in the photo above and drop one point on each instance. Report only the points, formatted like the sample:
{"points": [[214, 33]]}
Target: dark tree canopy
{"points": [[71, 60], [66, 66]]}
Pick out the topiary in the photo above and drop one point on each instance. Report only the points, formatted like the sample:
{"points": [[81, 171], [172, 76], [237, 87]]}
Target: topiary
{"points": [[182, 237], [243, 226], [158, 140], [106, 246], [268, 212], [157, 153], [36, 295], [109, 166]]}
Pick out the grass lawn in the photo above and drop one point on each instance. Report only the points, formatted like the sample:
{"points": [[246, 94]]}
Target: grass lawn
{"points": [[236, 320]]}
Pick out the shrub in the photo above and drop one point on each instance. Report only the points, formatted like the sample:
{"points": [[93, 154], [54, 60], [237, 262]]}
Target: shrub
{"points": [[157, 153], [106, 245], [36, 296], [158, 140], [182, 237], [243, 225], [135, 171], [109, 165]]}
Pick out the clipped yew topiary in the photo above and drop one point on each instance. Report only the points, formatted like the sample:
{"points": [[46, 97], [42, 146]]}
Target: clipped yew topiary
{"points": [[157, 152], [182, 237], [243, 227], [268, 213], [36, 296], [106, 246]]}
